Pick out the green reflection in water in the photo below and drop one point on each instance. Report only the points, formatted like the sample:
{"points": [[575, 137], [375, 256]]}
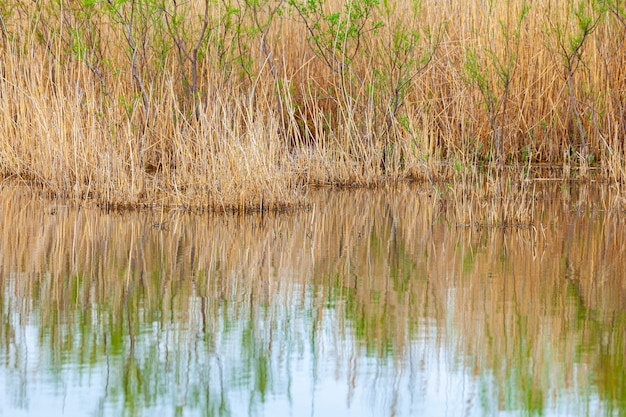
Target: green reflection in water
{"points": [[369, 304]]}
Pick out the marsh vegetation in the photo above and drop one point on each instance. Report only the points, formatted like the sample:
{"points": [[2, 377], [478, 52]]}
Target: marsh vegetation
{"points": [[242, 104]]}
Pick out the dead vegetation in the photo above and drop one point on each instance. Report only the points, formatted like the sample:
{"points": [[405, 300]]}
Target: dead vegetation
{"points": [[239, 105]]}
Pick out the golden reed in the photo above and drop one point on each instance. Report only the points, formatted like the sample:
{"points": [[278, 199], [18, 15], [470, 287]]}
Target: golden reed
{"points": [[228, 106]]}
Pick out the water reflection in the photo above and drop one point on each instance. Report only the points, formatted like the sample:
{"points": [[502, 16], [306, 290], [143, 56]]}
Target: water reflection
{"points": [[371, 303]]}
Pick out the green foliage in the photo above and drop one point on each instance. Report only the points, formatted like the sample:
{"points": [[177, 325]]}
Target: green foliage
{"points": [[481, 63], [337, 35], [477, 76], [408, 52], [615, 7], [571, 35]]}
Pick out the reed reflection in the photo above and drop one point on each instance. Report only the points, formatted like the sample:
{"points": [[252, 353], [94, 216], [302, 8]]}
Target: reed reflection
{"points": [[367, 303]]}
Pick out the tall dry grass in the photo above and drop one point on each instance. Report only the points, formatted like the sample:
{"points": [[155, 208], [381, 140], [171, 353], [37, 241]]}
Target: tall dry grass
{"points": [[238, 105]]}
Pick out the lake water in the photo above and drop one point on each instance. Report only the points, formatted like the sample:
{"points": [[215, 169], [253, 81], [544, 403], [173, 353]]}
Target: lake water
{"points": [[371, 303]]}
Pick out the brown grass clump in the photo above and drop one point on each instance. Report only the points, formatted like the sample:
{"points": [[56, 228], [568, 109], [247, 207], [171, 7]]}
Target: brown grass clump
{"points": [[238, 105]]}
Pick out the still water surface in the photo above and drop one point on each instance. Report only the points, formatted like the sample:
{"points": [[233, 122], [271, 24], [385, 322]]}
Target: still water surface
{"points": [[372, 303]]}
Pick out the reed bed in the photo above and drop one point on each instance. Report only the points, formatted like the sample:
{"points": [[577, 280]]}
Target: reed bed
{"points": [[238, 105]]}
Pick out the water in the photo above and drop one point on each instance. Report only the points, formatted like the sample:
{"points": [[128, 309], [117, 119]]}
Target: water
{"points": [[372, 303]]}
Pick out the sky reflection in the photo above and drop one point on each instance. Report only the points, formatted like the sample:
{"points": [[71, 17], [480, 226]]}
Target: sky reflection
{"points": [[318, 313]]}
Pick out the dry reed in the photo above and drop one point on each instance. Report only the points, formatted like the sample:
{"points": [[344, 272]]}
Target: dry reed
{"points": [[246, 111]]}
